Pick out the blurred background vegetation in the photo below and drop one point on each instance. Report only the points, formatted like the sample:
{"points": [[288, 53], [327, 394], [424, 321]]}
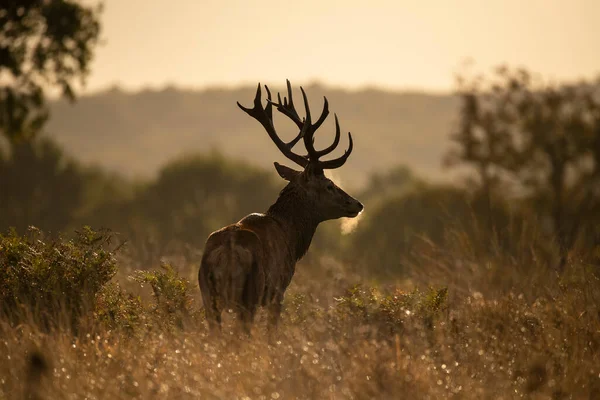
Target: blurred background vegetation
{"points": [[525, 154]]}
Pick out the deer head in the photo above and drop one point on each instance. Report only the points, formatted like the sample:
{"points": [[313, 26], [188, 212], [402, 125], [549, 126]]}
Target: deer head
{"points": [[316, 192]]}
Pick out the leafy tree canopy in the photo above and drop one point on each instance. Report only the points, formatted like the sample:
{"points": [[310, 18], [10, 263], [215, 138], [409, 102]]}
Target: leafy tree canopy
{"points": [[43, 44], [542, 139]]}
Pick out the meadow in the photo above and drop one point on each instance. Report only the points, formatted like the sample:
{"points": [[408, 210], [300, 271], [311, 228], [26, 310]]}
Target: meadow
{"points": [[82, 328]]}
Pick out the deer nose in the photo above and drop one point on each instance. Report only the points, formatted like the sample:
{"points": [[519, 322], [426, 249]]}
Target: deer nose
{"points": [[355, 203], [360, 205]]}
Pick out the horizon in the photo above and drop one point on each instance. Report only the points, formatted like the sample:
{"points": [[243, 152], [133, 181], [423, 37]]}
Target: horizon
{"points": [[252, 85]]}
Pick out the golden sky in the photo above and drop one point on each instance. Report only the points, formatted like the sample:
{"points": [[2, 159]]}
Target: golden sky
{"points": [[401, 44]]}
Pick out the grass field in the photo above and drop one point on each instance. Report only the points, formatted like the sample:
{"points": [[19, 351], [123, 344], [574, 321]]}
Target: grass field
{"points": [[494, 333]]}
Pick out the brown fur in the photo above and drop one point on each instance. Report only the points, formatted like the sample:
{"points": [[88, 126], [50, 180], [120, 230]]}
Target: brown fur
{"points": [[252, 262]]}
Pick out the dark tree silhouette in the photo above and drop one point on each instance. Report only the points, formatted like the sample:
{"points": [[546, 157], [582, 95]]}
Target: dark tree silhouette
{"points": [[40, 186], [43, 44], [542, 138]]}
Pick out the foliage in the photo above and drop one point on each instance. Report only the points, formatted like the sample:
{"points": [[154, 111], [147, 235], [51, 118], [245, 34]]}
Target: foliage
{"points": [[119, 310], [53, 279], [40, 186], [172, 214], [192, 196], [529, 340], [394, 182], [389, 311], [171, 293], [400, 226], [42, 44], [542, 139]]}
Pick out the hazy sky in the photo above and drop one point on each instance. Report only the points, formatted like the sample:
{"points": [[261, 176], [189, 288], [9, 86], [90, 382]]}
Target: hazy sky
{"points": [[393, 44]]}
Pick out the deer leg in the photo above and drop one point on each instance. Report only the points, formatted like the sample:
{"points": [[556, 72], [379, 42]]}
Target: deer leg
{"points": [[246, 317], [212, 311], [213, 316], [275, 312], [247, 310], [251, 298]]}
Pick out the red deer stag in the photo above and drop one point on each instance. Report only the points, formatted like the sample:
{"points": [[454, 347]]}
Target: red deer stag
{"points": [[251, 263]]}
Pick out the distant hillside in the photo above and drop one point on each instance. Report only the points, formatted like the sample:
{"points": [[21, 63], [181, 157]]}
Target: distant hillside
{"points": [[136, 133]]}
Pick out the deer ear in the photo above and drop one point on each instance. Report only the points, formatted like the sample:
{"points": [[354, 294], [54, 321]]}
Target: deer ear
{"points": [[286, 172]]}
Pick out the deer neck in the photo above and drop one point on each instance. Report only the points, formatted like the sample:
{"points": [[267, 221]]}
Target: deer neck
{"points": [[298, 220]]}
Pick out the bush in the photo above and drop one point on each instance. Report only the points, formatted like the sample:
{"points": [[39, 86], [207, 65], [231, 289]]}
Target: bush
{"points": [[399, 224], [171, 293], [192, 196], [53, 281], [397, 232], [388, 311], [119, 310]]}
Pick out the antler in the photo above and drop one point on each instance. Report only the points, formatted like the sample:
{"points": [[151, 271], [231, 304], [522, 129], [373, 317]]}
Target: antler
{"points": [[265, 117], [307, 129]]}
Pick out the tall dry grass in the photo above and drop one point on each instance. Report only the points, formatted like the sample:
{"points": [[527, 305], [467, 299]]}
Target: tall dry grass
{"points": [[492, 328]]}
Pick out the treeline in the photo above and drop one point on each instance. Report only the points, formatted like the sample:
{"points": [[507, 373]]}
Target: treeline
{"points": [[193, 195], [533, 198], [533, 194], [533, 149], [137, 133]]}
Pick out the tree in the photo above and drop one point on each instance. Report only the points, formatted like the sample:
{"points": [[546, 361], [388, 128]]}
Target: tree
{"points": [[483, 138], [542, 138], [43, 44], [192, 196], [39, 186]]}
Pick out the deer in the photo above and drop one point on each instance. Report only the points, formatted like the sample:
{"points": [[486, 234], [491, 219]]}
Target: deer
{"points": [[251, 263]]}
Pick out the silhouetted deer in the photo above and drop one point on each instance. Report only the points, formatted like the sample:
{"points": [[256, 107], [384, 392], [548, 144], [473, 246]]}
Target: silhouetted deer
{"points": [[251, 263]]}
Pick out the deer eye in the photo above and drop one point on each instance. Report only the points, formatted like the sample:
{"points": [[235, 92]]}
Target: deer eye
{"points": [[330, 187]]}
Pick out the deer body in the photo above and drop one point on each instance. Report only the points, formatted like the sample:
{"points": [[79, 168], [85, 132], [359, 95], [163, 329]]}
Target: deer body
{"points": [[251, 263]]}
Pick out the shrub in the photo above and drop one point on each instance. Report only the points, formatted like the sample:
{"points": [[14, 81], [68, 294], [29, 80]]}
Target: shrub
{"points": [[396, 233], [389, 312], [119, 310], [191, 197], [56, 280], [171, 293]]}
